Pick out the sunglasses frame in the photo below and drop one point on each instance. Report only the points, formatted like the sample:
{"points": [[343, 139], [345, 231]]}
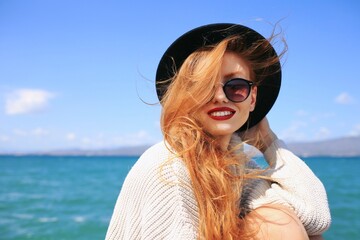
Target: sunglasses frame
{"points": [[249, 85]]}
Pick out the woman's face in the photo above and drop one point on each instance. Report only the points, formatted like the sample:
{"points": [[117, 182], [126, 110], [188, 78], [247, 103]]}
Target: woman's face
{"points": [[222, 117]]}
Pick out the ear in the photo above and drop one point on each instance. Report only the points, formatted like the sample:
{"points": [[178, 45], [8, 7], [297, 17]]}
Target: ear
{"points": [[253, 95]]}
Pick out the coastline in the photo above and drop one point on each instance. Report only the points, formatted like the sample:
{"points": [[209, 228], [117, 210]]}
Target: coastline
{"points": [[340, 147]]}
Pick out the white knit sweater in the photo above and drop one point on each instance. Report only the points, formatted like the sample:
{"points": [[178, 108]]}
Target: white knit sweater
{"points": [[157, 200]]}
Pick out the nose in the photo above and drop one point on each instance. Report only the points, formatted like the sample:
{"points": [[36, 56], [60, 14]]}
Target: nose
{"points": [[220, 96]]}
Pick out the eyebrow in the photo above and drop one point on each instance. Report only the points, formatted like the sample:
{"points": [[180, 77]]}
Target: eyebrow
{"points": [[232, 74]]}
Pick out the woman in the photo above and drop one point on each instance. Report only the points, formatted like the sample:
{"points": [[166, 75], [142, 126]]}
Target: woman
{"points": [[216, 84]]}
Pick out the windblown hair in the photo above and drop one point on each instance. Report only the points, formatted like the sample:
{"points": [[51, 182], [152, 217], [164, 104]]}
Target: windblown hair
{"points": [[217, 176]]}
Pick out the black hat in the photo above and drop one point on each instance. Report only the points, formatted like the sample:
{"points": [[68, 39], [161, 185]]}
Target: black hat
{"points": [[212, 34]]}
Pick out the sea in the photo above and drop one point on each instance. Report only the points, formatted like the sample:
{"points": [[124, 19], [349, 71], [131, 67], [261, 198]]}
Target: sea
{"points": [[53, 197]]}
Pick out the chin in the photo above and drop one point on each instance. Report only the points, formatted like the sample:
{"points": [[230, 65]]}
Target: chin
{"points": [[222, 132]]}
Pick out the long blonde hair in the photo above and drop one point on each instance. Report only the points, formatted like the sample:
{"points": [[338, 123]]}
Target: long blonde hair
{"points": [[217, 176]]}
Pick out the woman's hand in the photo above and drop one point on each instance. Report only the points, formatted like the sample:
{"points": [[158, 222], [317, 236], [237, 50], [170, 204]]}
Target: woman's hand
{"points": [[260, 136]]}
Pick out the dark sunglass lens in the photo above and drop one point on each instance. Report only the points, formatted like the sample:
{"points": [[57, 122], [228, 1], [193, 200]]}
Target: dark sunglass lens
{"points": [[237, 90]]}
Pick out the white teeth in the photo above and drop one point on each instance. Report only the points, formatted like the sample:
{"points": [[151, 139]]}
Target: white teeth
{"points": [[220, 114]]}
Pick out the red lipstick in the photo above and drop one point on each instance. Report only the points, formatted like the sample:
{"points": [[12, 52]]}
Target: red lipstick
{"points": [[221, 113]]}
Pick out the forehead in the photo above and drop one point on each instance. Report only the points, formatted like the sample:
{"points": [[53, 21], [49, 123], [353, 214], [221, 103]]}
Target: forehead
{"points": [[233, 65]]}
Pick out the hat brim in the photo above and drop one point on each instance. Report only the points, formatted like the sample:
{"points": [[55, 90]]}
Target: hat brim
{"points": [[211, 34]]}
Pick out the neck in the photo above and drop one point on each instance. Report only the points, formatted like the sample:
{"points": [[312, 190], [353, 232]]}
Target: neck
{"points": [[224, 142]]}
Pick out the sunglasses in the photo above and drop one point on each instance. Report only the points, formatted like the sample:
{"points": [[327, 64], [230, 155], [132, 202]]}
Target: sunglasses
{"points": [[237, 89]]}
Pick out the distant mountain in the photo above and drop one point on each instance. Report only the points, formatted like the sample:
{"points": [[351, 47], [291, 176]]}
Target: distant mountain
{"points": [[121, 151], [345, 147]]}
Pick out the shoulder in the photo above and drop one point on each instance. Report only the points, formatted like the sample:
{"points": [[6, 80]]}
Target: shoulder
{"points": [[155, 162], [157, 174], [152, 158], [156, 154], [276, 222]]}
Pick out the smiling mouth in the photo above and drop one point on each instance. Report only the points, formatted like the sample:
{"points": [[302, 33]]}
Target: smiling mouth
{"points": [[221, 114]]}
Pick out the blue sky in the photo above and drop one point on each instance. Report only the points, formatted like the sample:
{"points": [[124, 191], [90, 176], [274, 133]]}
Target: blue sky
{"points": [[73, 74]]}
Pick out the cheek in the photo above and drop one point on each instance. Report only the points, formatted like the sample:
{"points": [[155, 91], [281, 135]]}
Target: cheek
{"points": [[248, 105], [244, 110]]}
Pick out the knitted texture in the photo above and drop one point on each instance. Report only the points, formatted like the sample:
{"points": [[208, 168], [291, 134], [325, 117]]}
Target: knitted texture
{"points": [[157, 200], [294, 185]]}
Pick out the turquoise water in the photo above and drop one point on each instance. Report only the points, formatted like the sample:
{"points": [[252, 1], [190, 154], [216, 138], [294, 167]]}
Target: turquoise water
{"points": [[73, 197]]}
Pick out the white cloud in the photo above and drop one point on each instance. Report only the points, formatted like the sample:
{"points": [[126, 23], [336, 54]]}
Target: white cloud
{"points": [[39, 132], [344, 98], [34, 132], [294, 132], [94, 142], [140, 137], [103, 140], [4, 138], [322, 133], [86, 140], [355, 131], [70, 136], [24, 101]]}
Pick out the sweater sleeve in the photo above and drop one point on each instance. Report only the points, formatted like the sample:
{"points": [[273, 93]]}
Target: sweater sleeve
{"points": [[156, 201], [292, 184]]}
